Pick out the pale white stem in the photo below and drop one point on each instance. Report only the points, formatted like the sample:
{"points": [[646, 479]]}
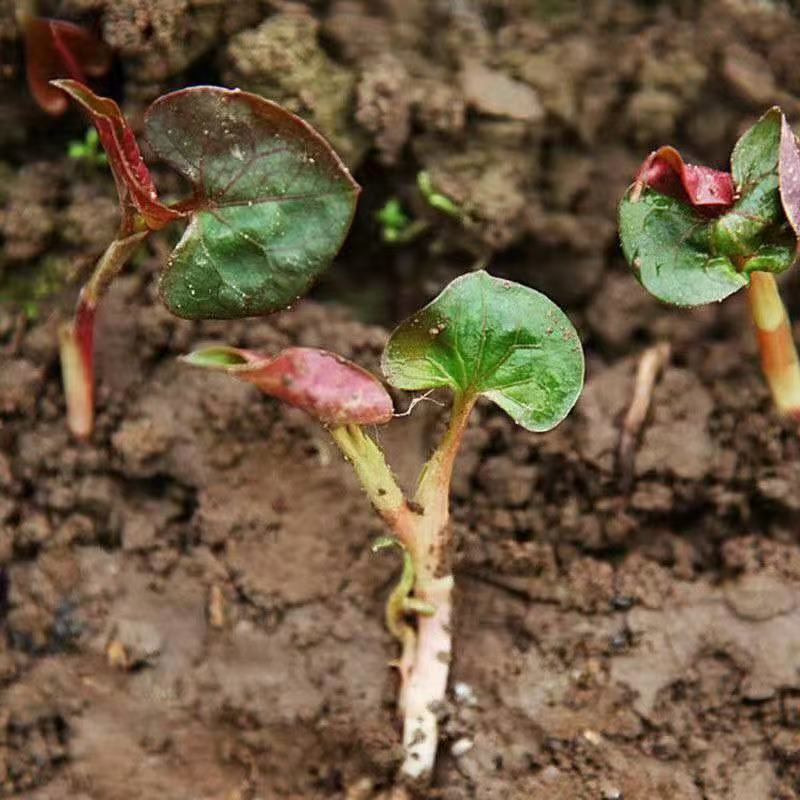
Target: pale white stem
{"points": [[427, 686], [78, 380]]}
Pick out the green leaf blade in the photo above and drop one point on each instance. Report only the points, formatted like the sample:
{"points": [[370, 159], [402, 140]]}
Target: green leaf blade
{"points": [[755, 155], [492, 337], [272, 202], [669, 249]]}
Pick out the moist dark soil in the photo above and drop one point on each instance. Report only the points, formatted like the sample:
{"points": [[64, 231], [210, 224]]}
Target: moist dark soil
{"points": [[189, 608]]}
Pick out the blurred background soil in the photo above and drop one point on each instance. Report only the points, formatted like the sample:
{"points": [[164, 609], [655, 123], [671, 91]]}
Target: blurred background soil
{"points": [[188, 606]]}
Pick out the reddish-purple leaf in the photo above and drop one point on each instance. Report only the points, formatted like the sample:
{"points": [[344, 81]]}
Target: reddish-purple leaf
{"points": [[271, 203], [331, 388], [709, 191], [58, 49], [789, 175], [137, 192]]}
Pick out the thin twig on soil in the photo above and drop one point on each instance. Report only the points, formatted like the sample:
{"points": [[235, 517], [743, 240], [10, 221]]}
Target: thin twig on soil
{"points": [[651, 364]]}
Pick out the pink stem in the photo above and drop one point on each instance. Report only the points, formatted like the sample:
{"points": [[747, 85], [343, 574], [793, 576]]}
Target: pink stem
{"points": [[76, 339]]}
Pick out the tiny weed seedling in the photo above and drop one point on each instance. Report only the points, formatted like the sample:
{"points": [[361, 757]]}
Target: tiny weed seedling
{"points": [[481, 336], [396, 226], [270, 205], [88, 151], [695, 235], [435, 199]]}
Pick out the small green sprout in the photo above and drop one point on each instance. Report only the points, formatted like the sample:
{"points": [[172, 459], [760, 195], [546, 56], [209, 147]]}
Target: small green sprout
{"points": [[435, 199], [396, 226], [89, 150], [393, 218]]}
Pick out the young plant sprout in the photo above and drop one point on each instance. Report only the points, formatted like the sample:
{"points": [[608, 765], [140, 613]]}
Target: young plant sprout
{"points": [[482, 336], [694, 235], [434, 198], [396, 226], [270, 205], [88, 150]]}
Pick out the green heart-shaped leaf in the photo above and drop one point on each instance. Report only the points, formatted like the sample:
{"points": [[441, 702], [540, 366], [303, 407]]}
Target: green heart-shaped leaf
{"points": [[272, 202], [492, 337]]}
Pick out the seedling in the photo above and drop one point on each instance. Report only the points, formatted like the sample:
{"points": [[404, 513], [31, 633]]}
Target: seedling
{"points": [[694, 235], [54, 49], [89, 150], [434, 198], [270, 205], [396, 226], [481, 336]]}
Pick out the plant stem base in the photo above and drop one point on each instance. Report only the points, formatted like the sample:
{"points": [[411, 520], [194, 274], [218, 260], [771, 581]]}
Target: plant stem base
{"points": [[427, 686]]}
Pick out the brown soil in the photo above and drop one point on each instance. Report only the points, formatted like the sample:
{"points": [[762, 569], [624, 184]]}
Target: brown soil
{"points": [[188, 604]]}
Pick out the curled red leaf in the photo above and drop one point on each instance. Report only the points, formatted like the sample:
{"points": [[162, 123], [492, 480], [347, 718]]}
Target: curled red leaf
{"points": [[137, 192], [709, 191], [789, 175], [58, 49], [331, 388]]}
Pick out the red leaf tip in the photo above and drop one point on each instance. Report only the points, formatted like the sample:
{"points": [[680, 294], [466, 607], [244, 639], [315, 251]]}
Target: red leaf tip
{"points": [[137, 192], [709, 191], [328, 387]]}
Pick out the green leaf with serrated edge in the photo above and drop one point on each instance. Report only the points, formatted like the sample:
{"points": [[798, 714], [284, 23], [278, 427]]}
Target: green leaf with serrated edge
{"points": [[272, 202], [496, 338], [669, 248]]}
